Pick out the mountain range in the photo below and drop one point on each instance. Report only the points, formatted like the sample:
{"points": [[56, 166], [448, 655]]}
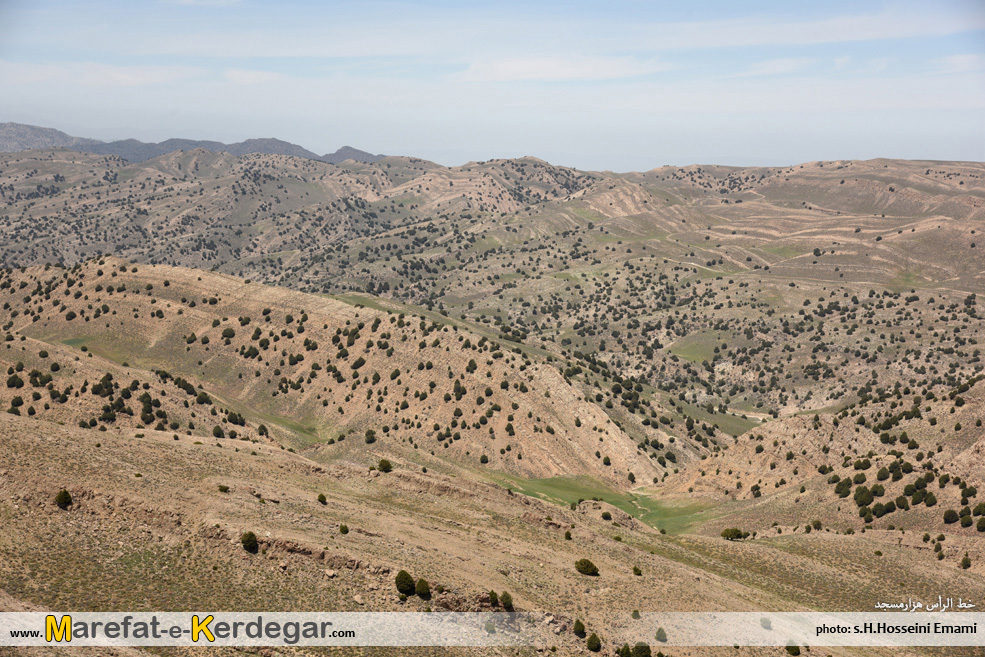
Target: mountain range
{"points": [[16, 137]]}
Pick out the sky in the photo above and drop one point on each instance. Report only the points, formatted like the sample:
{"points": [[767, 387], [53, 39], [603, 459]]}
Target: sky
{"points": [[617, 85]]}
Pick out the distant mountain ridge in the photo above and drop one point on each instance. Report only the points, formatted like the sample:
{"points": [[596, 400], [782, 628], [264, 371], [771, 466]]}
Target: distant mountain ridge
{"points": [[15, 137]]}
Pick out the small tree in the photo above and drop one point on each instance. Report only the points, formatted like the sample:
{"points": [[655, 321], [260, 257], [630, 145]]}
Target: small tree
{"points": [[578, 628], [422, 589], [493, 599], [594, 643], [661, 635], [63, 499], [506, 600], [321, 498], [405, 583], [250, 543], [384, 466], [586, 567], [625, 651], [641, 650]]}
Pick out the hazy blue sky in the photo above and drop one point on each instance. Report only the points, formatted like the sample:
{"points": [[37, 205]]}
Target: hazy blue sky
{"points": [[621, 84]]}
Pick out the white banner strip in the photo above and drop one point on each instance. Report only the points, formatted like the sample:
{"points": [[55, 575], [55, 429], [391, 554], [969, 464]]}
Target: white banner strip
{"points": [[960, 628]]}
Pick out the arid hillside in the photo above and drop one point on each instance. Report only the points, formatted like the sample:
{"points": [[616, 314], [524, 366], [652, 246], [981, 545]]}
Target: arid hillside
{"points": [[347, 379], [729, 388]]}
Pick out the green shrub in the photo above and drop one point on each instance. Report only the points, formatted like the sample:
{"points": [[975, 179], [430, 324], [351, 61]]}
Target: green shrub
{"points": [[250, 543], [586, 567], [63, 499], [321, 498], [405, 583], [343, 529], [594, 643], [493, 599], [422, 589], [384, 466], [506, 600], [641, 650], [661, 635], [578, 628], [734, 534]]}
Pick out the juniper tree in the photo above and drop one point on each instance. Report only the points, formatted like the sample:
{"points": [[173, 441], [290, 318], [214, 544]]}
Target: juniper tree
{"points": [[405, 583], [249, 542], [63, 499]]}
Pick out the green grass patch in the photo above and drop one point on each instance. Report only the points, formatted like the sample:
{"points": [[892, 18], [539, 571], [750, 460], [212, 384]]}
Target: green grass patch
{"points": [[662, 514], [697, 347], [784, 251]]}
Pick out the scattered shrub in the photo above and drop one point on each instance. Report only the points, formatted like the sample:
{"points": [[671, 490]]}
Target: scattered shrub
{"points": [[250, 543], [405, 583], [63, 499], [586, 567], [578, 628]]}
